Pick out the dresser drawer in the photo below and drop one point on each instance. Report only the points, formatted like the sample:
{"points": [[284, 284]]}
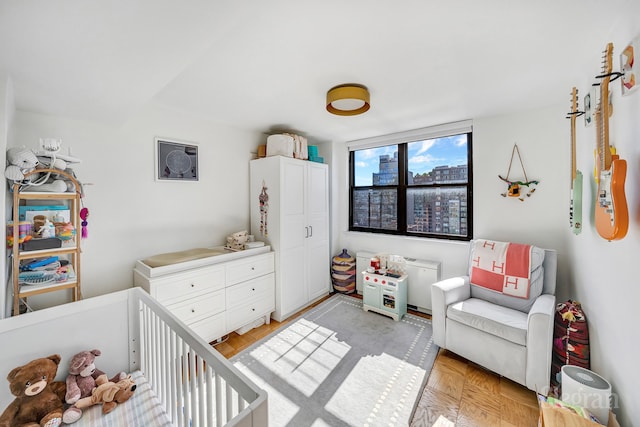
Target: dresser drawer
{"points": [[245, 269], [198, 308], [248, 291], [187, 285], [244, 314], [210, 328]]}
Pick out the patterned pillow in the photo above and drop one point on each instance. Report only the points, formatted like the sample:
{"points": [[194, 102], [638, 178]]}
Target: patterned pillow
{"points": [[526, 293]]}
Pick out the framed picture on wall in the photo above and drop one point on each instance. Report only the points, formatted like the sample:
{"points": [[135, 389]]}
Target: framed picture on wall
{"points": [[176, 160]]}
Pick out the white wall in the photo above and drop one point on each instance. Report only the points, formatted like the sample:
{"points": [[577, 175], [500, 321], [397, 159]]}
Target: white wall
{"points": [[600, 274], [605, 274], [495, 216], [131, 215]]}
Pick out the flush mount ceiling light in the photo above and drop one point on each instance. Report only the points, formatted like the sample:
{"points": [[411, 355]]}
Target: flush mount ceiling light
{"points": [[348, 100]]}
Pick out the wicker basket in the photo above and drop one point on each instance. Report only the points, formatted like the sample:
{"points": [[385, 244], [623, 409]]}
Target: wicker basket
{"points": [[343, 273]]}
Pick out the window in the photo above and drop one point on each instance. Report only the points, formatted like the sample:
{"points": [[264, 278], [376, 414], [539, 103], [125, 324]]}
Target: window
{"points": [[416, 184]]}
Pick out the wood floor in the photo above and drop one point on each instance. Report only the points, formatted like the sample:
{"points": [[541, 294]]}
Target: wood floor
{"points": [[458, 392]]}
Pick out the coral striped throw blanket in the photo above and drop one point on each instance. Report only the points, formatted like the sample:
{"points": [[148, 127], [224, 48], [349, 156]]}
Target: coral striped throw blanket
{"points": [[502, 267]]}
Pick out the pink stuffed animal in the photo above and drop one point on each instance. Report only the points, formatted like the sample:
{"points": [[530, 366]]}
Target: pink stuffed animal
{"points": [[81, 381]]}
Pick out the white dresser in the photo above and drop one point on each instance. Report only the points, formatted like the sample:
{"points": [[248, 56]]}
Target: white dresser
{"points": [[214, 295]]}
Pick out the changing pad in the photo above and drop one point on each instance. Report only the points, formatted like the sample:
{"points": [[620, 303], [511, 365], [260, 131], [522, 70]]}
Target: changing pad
{"points": [[181, 256]]}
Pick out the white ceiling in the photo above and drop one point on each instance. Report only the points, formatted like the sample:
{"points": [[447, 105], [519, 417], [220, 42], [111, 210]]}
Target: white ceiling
{"points": [[267, 65]]}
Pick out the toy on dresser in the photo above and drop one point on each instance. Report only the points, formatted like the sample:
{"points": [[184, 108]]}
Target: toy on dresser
{"points": [[236, 241]]}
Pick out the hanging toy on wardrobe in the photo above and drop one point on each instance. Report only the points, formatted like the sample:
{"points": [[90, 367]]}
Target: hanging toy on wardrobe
{"points": [[514, 187]]}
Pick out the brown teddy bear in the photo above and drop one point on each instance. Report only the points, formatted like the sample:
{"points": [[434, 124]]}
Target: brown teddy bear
{"points": [[81, 381], [108, 393], [39, 400]]}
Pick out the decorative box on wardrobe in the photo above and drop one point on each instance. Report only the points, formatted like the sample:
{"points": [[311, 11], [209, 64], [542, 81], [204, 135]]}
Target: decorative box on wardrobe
{"points": [[290, 212]]}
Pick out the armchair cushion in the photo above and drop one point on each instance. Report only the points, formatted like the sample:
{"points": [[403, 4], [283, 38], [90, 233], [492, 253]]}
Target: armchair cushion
{"points": [[516, 303], [494, 319]]}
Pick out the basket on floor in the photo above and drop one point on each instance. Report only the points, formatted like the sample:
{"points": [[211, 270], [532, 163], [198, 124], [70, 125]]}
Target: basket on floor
{"points": [[343, 273], [570, 341]]}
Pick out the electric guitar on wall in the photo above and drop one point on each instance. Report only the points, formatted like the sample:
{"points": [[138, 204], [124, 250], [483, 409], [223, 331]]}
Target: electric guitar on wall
{"points": [[611, 212], [575, 209]]}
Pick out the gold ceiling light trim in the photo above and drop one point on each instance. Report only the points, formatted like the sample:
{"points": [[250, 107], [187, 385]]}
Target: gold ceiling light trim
{"points": [[348, 100]]}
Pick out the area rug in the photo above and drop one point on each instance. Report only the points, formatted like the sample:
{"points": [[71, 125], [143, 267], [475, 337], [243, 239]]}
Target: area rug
{"points": [[338, 365]]}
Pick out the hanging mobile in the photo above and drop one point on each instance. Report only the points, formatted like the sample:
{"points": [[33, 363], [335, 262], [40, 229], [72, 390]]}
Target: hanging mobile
{"points": [[84, 214], [514, 186]]}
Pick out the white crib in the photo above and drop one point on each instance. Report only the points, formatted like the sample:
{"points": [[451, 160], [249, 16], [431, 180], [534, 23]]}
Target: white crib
{"points": [[193, 383]]}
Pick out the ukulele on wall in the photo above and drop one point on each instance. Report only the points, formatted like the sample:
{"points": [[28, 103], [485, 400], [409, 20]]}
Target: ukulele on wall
{"points": [[611, 212], [575, 208]]}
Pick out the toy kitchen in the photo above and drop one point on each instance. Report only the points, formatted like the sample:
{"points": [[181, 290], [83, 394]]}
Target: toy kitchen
{"points": [[384, 286]]}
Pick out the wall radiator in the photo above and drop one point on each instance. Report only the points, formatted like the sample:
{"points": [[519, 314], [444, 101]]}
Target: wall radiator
{"points": [[422, 274]]}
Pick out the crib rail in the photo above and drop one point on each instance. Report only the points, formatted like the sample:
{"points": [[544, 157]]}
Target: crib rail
{"points": [[197, 386]]}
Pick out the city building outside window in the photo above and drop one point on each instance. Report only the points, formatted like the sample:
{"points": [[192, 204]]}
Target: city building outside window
{"points": [[417, 184]]}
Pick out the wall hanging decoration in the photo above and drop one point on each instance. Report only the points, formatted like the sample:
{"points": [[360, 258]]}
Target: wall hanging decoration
{"points": [[629, 67], [263, 198], [176, 161], [84, 215], [514, 188]]}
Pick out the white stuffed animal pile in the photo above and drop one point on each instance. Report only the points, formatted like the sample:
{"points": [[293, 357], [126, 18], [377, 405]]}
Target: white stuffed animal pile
{"points": [[22, 160]]}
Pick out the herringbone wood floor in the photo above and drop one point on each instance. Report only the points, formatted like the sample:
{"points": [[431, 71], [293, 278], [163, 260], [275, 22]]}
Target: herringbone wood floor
{"points": [[458, 392]]}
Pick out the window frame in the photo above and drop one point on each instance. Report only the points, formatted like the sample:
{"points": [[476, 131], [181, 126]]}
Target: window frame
{"points": [[402, 188]]}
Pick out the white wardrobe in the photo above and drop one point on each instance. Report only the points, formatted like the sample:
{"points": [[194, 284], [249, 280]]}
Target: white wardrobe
{"points": [[290, 212]]}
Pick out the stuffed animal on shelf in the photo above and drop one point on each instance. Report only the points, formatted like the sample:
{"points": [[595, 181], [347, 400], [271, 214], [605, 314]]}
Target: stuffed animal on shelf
{"points": [[108, 393], [81, 381], [20, 160], [39, 400]]}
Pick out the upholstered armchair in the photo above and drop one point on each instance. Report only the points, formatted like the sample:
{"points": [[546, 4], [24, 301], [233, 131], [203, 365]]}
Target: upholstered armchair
{"points": [[500, 315]]}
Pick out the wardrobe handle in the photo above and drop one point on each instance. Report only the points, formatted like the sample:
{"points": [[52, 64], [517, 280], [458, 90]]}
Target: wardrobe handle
{"points": [[311, 228], [307, 232]]}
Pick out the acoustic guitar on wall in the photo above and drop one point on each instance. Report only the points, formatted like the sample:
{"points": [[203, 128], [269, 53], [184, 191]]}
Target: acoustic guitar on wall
{"points": [[575, 208], [611, 211]]}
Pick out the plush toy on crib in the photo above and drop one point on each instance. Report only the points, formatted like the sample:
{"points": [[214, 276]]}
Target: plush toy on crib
{"points": [[81, 381], [39, 400], [108, 393]]}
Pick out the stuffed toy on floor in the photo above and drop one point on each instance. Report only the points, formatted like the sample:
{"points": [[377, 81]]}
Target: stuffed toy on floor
{"points": [[39, 399]]}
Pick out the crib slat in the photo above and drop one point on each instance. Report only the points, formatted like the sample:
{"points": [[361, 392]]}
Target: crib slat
{"points": [[219, 419], [201, 390], [173, 396], [186, 408], [210, 411], [195, 421], [164, 345], [229, 403], [241, 404]]}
